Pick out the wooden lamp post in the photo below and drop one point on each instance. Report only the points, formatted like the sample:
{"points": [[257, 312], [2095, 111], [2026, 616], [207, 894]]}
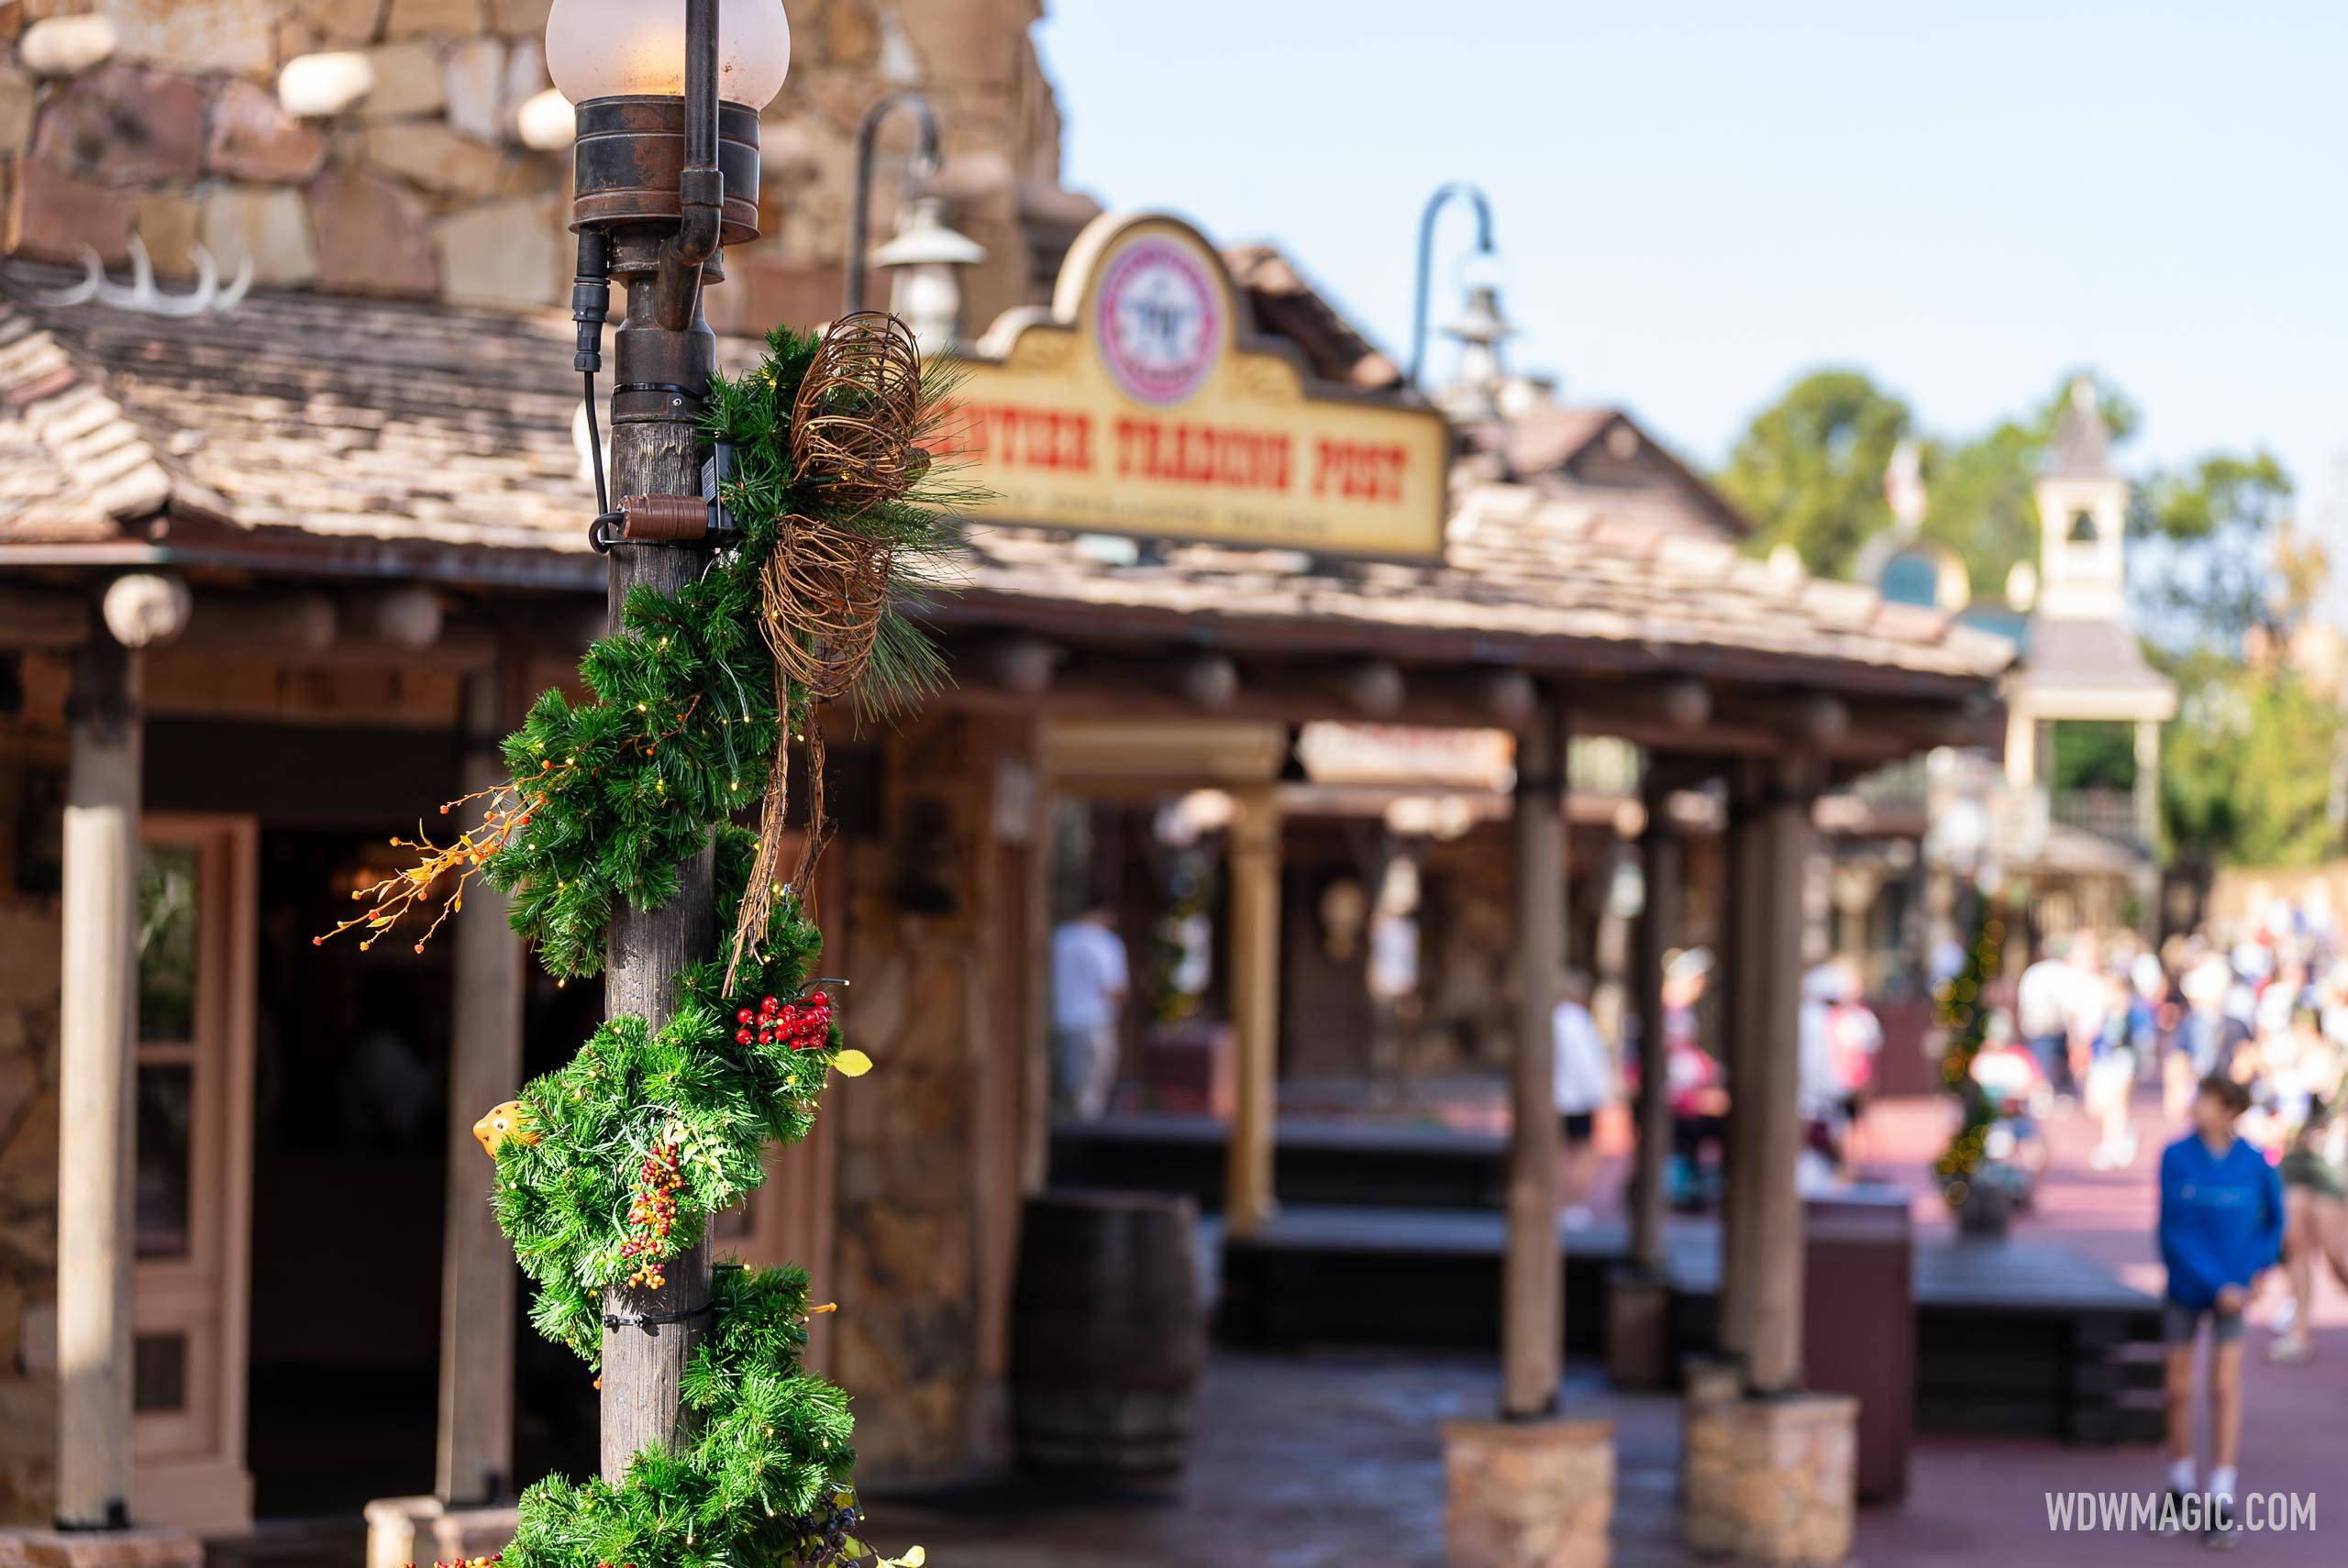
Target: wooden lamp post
{"points": [[667, 174]]}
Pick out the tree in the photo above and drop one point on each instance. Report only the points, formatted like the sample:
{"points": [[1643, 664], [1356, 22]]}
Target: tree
{"points": [[2222, 561], [1809, 468]]}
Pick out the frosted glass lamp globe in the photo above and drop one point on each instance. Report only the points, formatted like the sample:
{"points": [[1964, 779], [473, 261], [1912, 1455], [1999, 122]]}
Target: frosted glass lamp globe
{"points": [[601, 49]]}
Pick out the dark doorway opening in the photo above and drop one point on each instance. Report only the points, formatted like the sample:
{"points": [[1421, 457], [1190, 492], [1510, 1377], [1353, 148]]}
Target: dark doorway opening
{"points": [[350, 1150]]}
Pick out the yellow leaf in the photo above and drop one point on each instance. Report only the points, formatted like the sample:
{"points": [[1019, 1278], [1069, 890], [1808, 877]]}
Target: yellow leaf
{"points": [[852, 1064], [915, 1557]]}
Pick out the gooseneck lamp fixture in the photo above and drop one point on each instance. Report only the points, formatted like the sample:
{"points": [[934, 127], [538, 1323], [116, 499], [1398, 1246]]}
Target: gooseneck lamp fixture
{"points": [[923, 167], [665, 176], [1442, 197], [923, 262]]}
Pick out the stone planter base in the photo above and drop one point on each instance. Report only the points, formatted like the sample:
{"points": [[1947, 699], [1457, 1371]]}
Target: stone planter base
{"points": [[1535, 1493], [1638, 1330], [99, 1548], [400, 1530], [1771, 1480]]}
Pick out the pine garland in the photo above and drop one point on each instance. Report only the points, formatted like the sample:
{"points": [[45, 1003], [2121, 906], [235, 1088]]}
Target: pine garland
{"points": [[1962, 1008], [612, 1164]]}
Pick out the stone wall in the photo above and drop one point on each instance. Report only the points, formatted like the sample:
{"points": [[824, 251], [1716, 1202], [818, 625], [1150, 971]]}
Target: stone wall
{"points": [[927, 1168], [32, 758], [165, 120]]}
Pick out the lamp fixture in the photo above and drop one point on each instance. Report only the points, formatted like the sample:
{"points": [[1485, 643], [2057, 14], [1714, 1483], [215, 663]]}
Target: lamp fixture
{"points": [[924, 260]]}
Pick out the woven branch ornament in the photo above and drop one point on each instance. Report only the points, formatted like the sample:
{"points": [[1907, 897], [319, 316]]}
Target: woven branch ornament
{"points": [[856, 426], [857, 422]]}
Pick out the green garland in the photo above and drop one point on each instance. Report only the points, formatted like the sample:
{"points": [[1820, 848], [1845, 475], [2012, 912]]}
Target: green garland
{"points": [[614, 1163], [1962, 1008]]}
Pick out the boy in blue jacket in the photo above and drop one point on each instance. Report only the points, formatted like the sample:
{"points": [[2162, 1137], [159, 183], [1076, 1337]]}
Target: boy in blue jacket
{"points": [[2220, 1227]]}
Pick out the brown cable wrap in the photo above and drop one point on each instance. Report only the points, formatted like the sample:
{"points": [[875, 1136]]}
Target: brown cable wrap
{"points": [[854, 431], [664, 519]]}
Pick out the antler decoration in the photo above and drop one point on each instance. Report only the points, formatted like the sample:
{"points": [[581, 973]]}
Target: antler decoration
{"points": [[145, 297], [854, 432]]}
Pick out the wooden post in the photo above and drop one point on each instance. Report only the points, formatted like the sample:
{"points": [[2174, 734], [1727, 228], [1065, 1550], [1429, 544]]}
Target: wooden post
{"points": [[1773, 1349], [1255, 1006], [1531, 1302], [98, 1034], [654, 454], [1745, 971], [1658, 927], [477, 1271]]}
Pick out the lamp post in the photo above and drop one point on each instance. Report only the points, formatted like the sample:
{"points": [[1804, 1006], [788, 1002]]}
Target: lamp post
{"points": [[923, 165], [1442, 197], [925, 259], [666, 174], [1480, 328]]}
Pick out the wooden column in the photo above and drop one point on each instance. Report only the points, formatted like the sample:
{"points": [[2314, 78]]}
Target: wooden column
{"points": [[1255, 849], [1773, 1089], [477, 1271], [96, 1036], [655, 451], [1532, 1285], [1743, 973], [1662, 869]]}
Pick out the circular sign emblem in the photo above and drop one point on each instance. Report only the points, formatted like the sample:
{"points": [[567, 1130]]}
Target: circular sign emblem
{"points": [[1158, 320]]}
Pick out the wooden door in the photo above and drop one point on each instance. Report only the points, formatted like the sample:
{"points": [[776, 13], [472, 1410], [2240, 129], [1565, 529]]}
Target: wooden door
{"points": [[193, 1191]]}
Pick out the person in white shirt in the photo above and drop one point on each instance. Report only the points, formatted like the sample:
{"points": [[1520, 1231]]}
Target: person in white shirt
{"points": [[1089, 985], [1584, 1085]]}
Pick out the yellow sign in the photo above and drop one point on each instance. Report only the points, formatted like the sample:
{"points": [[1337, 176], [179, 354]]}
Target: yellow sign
{"points": [[1142, 404]]}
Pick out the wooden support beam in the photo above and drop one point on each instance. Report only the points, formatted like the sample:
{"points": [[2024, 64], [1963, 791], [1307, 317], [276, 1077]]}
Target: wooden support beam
{"points": [[33, 618], [1531, 1302], [1743, 1004], [1373, 688], [1773, 1084], [407, 618], [1663, 867], [97, 1036], [1255, 851], [280, 624], [476, 1463], [1019, 664]]}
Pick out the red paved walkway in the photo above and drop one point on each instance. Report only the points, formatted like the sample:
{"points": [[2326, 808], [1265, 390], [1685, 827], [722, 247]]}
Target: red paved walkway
{"points": [[1976, 1501]]}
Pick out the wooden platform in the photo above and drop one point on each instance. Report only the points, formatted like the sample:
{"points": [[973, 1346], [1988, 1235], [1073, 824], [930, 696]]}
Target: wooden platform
{"points": [[2015, 1336]]}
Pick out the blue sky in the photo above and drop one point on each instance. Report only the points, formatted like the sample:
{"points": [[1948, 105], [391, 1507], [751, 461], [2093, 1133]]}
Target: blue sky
{"points": [[1697, 201]]}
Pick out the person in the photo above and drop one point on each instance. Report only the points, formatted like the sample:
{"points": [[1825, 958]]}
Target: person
{"points": [[1089, 985], [2111, 1079], [2042, 1010], [1584, 1085], [1692, 1080], [2315, 1191], [2221, 1230]]}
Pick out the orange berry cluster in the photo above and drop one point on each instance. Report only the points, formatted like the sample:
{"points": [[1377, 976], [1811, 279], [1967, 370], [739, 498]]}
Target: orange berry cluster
{"points": [[802, 1025], [653, 1214]]}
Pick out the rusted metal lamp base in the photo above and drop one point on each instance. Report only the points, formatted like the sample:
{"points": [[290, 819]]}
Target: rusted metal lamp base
{"points": [[631, 152]]}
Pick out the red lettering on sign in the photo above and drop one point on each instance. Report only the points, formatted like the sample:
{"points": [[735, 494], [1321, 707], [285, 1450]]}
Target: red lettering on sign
{"points": [[1358, 470]]}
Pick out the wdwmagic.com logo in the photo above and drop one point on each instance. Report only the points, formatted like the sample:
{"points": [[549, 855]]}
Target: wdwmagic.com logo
{"points": [[2254, 1513]]}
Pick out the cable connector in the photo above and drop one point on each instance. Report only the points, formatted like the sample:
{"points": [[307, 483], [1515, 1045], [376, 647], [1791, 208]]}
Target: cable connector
{"points": [[591, 298]]}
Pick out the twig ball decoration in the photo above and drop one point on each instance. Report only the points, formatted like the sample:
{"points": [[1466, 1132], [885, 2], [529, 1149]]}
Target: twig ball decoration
{"points": [[855, 424], [824, 588]]}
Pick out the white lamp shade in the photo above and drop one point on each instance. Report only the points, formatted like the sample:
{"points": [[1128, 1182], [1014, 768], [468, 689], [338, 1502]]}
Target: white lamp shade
{"points": [[600, 48]]}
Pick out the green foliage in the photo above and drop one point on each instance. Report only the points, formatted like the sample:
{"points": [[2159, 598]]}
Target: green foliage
{"points": [[683, 721], [2249, 770], [2094, 755], [1810, 470], [563, 1199], [764, 1480], [610, 796], [2214, 571], [1962, 1010]]}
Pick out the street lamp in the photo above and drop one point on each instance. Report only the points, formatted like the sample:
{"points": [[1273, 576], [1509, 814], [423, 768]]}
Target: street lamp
{"points": [[923, 167], [1435, 204], [1480, 328], [665, 175], [925, 259]]}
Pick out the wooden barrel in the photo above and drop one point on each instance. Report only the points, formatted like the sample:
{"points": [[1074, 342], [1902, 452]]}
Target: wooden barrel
{"points": [[1106, 1336]]}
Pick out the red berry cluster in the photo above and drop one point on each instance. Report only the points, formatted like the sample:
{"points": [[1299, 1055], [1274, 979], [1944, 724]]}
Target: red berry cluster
{"points": [[802, 1025], [653, 1213]]}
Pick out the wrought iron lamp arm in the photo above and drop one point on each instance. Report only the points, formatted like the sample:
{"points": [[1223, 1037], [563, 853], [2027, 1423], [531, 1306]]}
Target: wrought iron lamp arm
{"points": [[1435, 204], [925, 164]]}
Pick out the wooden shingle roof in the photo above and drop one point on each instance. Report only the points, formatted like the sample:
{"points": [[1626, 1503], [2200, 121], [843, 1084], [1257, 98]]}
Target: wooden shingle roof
{"points": [[321, 434]]}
